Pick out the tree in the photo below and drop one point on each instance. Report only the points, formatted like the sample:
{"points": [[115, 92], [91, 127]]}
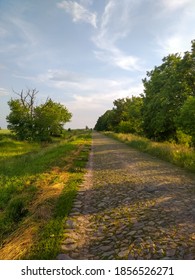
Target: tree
{"points": [[156, 113], [30, 122], [132, 119], [125, 116], [186, 119], [105, 122], [49, 119], [21, 117], [166, 88]]}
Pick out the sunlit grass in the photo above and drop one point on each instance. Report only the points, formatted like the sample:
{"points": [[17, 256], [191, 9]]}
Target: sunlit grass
{"points": [[178, 154], [5, 131], [34, 189]]}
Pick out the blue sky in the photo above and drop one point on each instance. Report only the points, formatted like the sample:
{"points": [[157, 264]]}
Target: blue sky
{"points": [[87, 53]]}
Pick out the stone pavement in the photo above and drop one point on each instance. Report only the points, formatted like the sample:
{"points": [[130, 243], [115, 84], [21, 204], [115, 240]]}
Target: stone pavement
{"points": [[131, 206]]}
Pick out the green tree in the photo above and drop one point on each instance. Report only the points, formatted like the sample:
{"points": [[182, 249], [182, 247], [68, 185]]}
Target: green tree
{"points": [[132, 120], [156, 112], [49, 119], [165, 90], [105, 122], [125, 116], [186, 119], [20, 119], [30, 122]]}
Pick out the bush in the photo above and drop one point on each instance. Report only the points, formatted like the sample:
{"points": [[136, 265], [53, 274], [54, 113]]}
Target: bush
{"points": [[184, 138]]}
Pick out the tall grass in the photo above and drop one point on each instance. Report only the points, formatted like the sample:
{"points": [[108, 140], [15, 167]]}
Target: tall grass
{"points": [[177, 154]]}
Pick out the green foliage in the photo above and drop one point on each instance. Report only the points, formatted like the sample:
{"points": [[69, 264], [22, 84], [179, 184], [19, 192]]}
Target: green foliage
{"points": [[105, 122], [132, 116], [165, 111], [126, 116], [49, 119], [184, 138], [166, 88], [18, 119], [163, 96], [30, 122], [186, 119]]}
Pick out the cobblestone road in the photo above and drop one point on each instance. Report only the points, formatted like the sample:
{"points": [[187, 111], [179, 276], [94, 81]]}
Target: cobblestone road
{"points": [[131, 206]]}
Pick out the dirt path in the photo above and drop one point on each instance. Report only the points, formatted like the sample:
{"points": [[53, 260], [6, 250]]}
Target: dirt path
{"points": [[131, 206]]}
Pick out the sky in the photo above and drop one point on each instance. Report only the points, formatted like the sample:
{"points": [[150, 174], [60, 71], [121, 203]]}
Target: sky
{"points": [[87, 53]]}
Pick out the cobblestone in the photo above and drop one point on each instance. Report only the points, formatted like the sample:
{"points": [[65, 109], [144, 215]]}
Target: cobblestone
{"points": [[131, 206]]}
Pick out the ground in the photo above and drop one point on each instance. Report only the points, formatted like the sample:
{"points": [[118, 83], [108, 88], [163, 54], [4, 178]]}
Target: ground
{"points": [[131, 206]]}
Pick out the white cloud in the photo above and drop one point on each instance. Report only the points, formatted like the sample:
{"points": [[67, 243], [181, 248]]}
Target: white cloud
{"points": [[173, 44], [176, 4], [87, 109], [3, 92], [78, 12], [117, 58], [116, 23], [82, 85], [178, 36], [87, 97]]}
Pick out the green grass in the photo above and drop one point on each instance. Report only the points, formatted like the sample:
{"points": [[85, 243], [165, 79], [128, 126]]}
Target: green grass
{"points": [[50, 235], [5, 131], [27, 169], [10, 148], [177, 154]]}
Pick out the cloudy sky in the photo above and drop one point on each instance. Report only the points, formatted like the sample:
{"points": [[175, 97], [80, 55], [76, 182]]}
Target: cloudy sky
{"points": [[87, 53]]}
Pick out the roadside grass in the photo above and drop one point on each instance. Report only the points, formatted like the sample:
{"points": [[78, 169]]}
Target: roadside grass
{"points": [[47, 245], [177, 154], [5, 131], [36, 193]]}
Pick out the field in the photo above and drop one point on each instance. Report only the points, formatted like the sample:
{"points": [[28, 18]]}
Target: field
{"points": [[37, 186]]}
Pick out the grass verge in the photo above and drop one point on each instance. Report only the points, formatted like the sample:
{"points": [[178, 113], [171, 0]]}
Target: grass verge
{"points": [[177, 154], [47, 245], [36, 194]]}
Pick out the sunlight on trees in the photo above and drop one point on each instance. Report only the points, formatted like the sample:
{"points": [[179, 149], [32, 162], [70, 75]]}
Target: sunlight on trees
{"points": [[31, 122]]}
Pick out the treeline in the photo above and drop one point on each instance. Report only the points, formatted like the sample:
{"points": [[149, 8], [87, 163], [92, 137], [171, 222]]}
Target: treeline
{"points": [[165, 111]]}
